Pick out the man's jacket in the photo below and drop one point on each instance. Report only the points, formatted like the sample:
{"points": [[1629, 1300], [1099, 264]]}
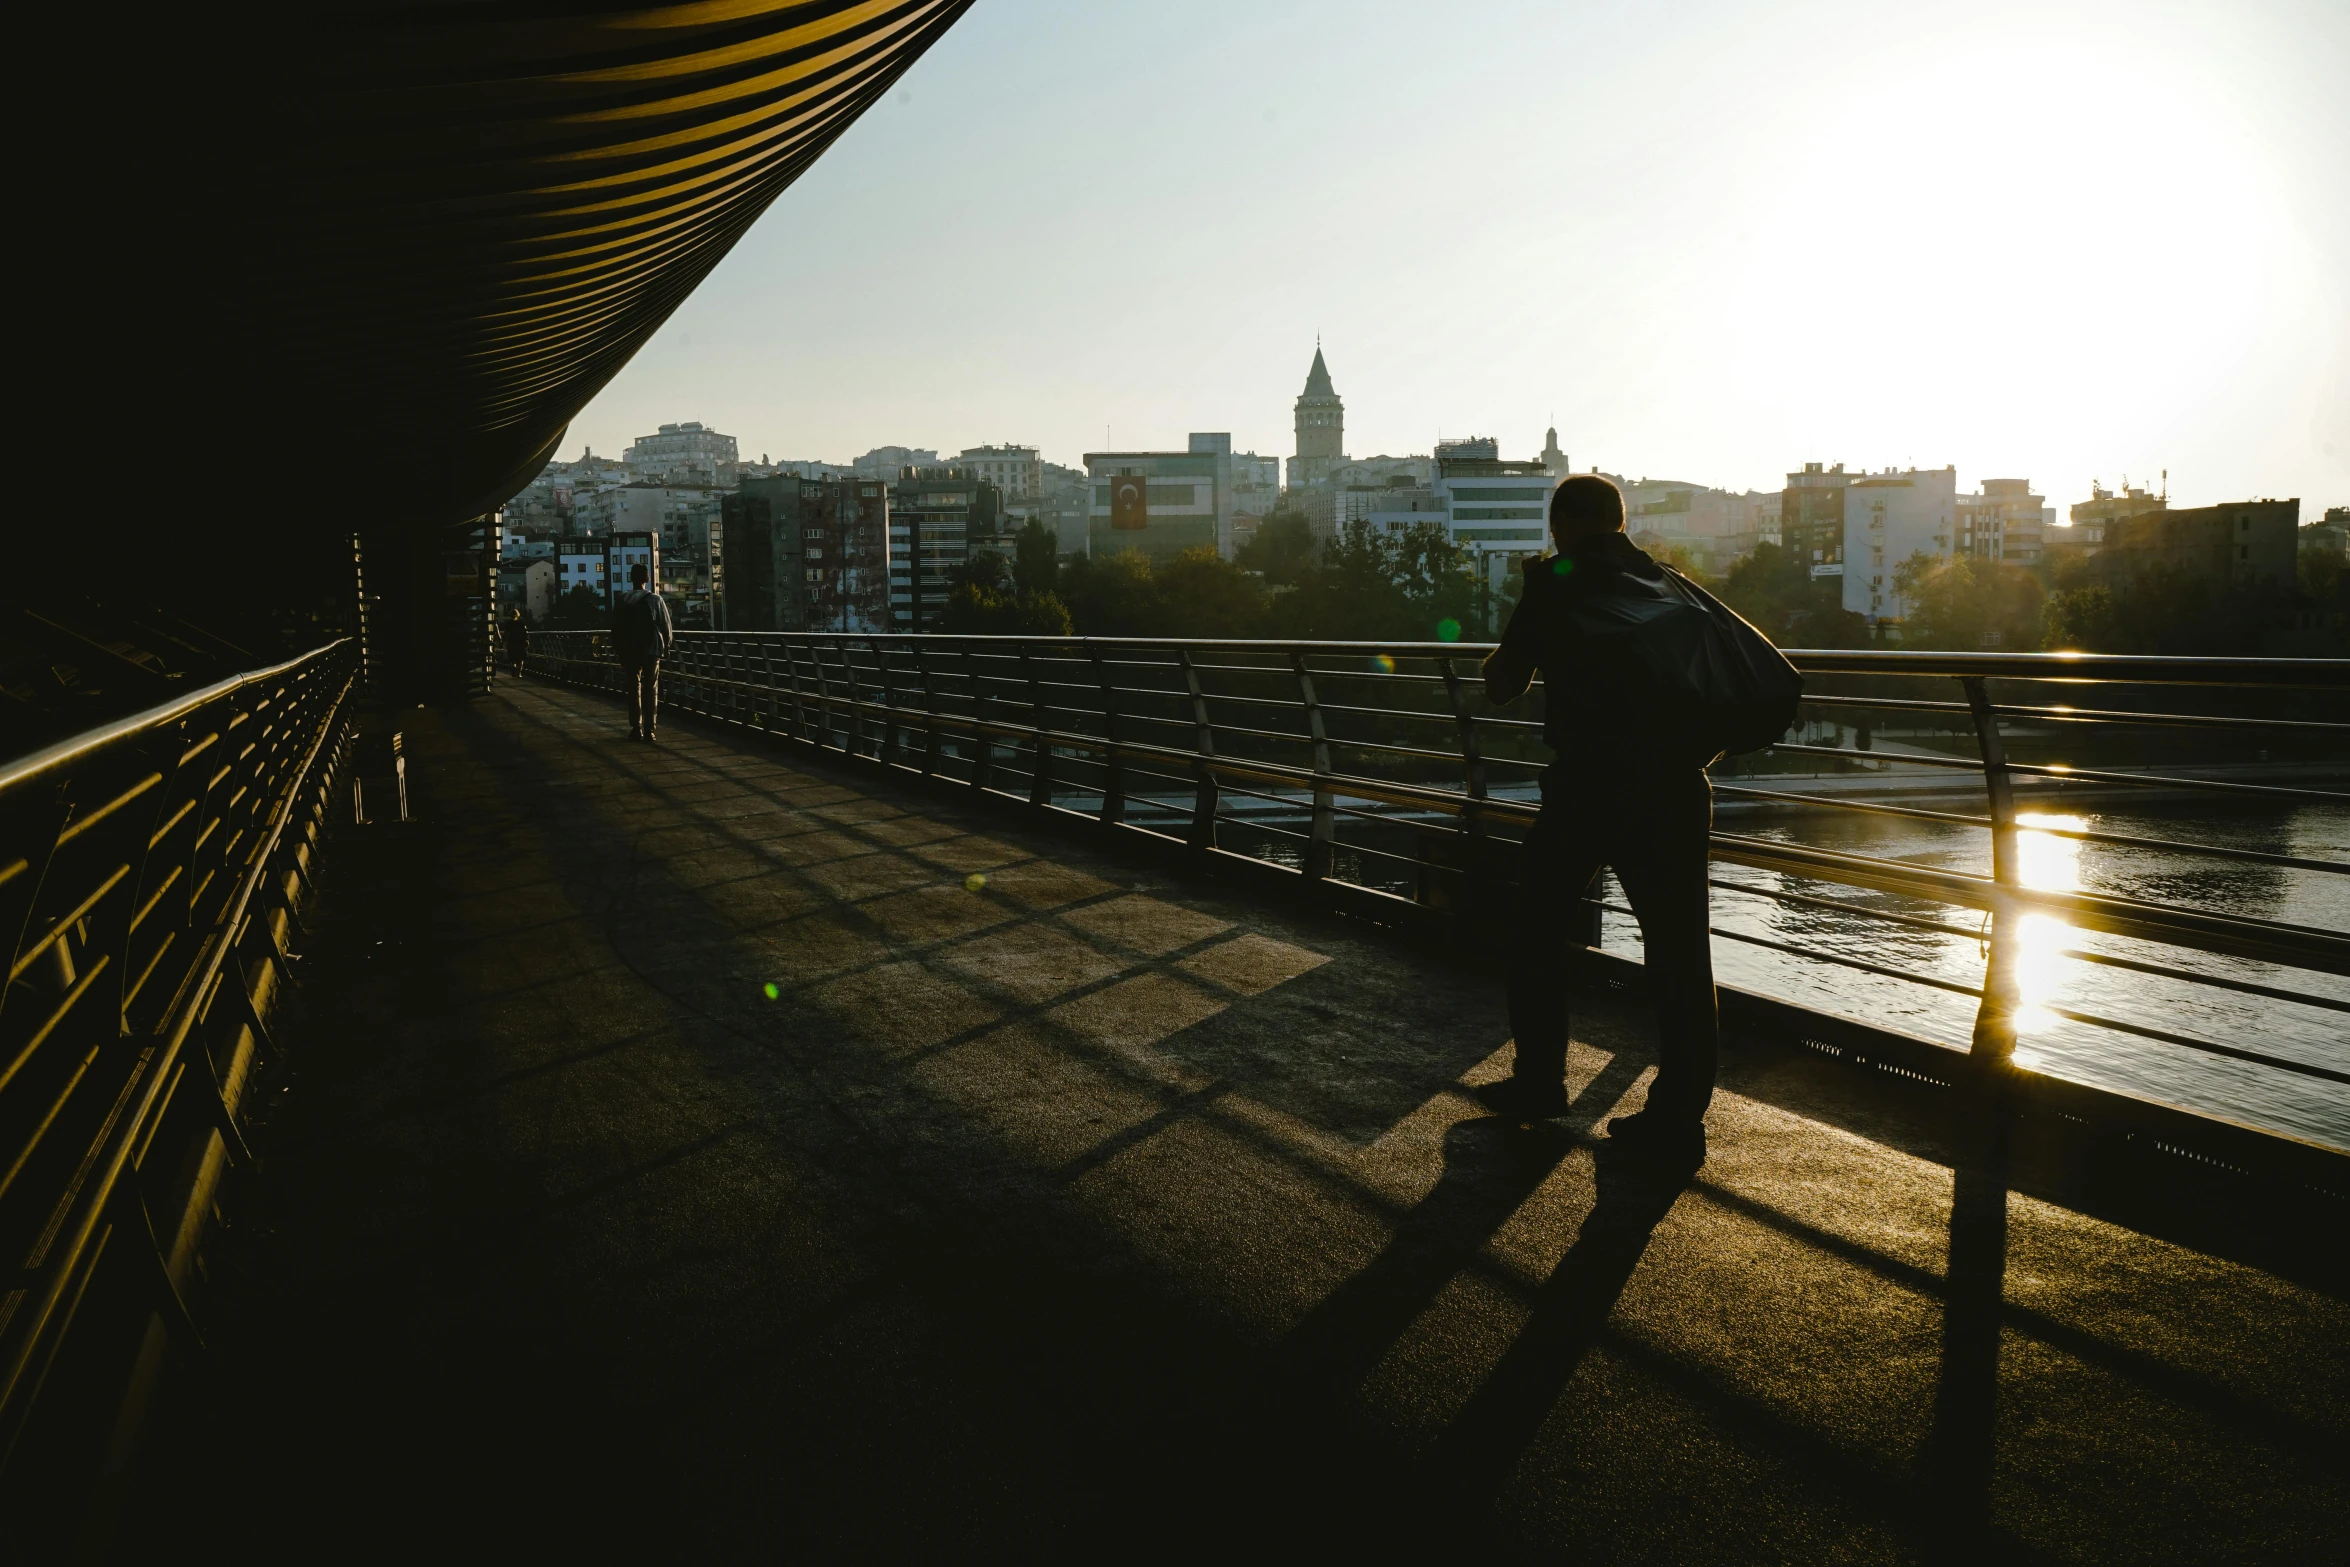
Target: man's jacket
{"points": [[1643, 666], [641, 629]]}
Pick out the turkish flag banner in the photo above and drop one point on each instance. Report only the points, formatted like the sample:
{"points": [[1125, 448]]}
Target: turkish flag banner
{"points": [[1130, 506]]}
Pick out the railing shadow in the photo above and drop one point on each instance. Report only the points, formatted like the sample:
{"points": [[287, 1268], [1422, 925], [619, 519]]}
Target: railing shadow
{"points": [[1477, 1453], [1954, 1481]]}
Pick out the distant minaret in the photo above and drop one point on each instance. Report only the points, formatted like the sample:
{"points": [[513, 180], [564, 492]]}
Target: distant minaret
{"points": [[1554, 461], [1321, 428]]}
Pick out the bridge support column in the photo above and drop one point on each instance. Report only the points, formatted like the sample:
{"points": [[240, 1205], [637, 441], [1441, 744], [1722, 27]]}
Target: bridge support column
{"points": [[428, 610]]}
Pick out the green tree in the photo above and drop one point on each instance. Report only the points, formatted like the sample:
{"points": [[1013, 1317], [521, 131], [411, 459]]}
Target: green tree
{"points": [[1962, 602], [1113, 596], [985, 569], [1417, 585], [1788, 604], [1201, 594], [1283, 550], [1036, 558], [973, 610], [580, 609]]}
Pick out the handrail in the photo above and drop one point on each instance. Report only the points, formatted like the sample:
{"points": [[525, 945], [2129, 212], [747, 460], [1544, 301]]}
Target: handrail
{"points": [[999, 724], [25, 768], [160, 864]]}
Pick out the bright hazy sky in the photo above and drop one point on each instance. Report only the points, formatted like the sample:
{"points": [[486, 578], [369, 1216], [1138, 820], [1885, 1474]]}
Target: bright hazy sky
{"points": [[2057, 241]]}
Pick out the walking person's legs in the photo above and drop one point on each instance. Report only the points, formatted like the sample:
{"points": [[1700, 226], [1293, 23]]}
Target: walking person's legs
{"points": [[649, 680], [1556, 867], [1662, 863]]}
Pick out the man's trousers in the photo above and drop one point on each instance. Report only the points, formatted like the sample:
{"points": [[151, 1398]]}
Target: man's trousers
{"points": [[1652, 830]]}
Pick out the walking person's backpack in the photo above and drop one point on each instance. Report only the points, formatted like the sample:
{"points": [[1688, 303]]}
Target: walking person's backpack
{"points": [[1711, 676]]}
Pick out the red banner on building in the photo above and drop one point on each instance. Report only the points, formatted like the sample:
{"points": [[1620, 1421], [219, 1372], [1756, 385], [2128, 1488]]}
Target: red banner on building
{"points": [[1130, 505]]}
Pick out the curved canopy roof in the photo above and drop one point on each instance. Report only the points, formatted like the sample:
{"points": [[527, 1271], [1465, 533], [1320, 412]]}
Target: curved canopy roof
{"points": [[466, 217]]}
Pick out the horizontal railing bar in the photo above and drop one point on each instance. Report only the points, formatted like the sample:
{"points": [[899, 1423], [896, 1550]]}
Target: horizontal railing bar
{"points": [[2117, 668], [2211, 720], [26, 768], [1942, 927], [2281, 1063], [2153, 781], [1963, 764], [1904, 704], [1874, 807]]}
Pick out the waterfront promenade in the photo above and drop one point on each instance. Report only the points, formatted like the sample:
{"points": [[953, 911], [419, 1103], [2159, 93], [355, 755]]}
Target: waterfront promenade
{"points": [[710, 1151]]}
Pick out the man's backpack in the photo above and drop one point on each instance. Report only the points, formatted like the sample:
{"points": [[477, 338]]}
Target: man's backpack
{"points": [[1710, 676]]}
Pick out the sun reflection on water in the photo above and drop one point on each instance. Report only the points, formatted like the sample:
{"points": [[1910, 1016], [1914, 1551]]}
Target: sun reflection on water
{"points": [[2047, 863]]}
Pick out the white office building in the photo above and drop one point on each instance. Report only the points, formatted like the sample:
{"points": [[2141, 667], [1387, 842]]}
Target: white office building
{"points": [[1498, 510], [1889, 518], [1017, 471], [684, 454]]}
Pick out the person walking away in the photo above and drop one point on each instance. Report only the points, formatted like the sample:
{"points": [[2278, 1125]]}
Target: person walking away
{"points": [[1633, 733], [641, 636]]}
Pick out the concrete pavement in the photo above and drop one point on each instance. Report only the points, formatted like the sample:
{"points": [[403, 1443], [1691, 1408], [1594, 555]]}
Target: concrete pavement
{"points": [[704, 1152]]}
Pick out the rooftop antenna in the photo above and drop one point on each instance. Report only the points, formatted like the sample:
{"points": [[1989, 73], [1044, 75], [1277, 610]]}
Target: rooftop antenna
{"points": [[2166, 484]]}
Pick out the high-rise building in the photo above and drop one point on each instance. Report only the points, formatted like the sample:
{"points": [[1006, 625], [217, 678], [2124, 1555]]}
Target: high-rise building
{"points": [[2003, 521], [886, 463], [684, 454], [1159, 503], [937, 516], [624, 552], [1015, 471], [805, 555], [1498, 509], [1890, 517], [1321, 428], [1811, 518], [2093, 519], [1554, 461], [2248, 545], [1715, 528], [581, 563]]}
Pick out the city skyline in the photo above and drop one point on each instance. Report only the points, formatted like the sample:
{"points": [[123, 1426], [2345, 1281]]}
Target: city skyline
{"points": [[1706, 251]]}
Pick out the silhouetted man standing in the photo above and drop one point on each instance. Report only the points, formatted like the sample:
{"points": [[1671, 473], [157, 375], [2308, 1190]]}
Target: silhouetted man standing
{"points": [[1627, 790], [641, 635]]}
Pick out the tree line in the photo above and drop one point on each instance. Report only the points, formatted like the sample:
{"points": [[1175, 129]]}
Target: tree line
{"points": [[1417, 585]]}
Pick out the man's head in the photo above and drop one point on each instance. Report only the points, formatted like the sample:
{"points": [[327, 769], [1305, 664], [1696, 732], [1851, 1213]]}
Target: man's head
{"points": [[639, 576], [1584, 507]]}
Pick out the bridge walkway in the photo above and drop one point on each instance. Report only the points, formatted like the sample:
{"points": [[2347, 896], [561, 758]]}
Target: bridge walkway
{"points": [[706, 1151]]}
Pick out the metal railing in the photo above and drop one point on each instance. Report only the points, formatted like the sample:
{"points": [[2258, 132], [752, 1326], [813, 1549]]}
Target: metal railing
{"points": [[1380, 771], [150, 871]]}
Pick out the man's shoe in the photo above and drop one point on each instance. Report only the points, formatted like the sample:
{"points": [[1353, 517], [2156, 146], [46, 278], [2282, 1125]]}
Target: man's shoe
{"points": [[1678, 1145], [1518, 1099]]}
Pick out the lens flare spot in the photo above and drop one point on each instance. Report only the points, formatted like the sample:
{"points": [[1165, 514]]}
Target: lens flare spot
{"points": [[1382, 663], [1448, 630], [771, 990], [975, 883]]}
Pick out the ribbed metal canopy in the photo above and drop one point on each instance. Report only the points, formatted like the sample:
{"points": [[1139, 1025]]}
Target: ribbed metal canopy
{"points": [[476, 213]]}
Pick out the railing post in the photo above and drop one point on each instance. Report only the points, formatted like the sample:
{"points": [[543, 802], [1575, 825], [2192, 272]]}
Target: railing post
{"points": [[791, 669], [1202, 836], [889, 707], [1994, 1038], [1040, 775], [1476, 840], [982, 744], [930, 743], [823, 694], [856, 695], [1113, 765], [1325, 829]]}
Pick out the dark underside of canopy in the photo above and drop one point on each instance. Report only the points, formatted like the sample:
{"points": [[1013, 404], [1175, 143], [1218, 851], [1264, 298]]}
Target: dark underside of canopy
{"points": [[438, 230]]}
